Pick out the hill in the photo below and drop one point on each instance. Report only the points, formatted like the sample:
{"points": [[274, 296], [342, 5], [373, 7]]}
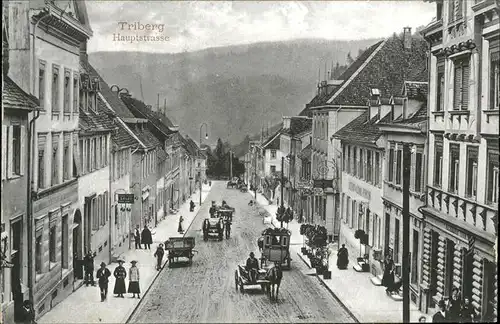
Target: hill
{"points": [[234, 89]]}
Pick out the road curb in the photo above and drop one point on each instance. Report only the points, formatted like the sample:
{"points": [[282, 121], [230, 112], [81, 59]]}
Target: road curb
{"points": [[132, 313], [331, 292]]}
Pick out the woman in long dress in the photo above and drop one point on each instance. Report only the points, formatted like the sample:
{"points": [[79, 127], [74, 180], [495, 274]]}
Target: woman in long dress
{"points": [[179, 229], [120, 274], [133, 277], [388, 278]]}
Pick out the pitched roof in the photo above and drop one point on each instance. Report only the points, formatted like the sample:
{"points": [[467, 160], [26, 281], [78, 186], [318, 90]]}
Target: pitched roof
{"points": [[273, 142], [321, 99], [362, 130], [298, 125], [418, 119], [13, 97], [387, 71], [111, 97], [140, 110], [415, 90], [145, 136], [306, 152], [95, 121]]}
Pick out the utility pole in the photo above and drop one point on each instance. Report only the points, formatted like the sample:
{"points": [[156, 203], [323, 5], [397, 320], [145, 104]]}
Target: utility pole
{"points": [[230, 165], [282, 184], [406, 233]]}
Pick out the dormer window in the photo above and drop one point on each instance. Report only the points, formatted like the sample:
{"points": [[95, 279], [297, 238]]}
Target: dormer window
{"points": [[375, 92]]}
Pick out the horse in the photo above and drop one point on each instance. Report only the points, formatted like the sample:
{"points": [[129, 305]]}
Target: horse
{"points": [[205, 227], [274, 276]]}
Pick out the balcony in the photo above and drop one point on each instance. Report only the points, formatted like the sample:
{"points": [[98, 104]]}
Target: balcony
{"points": [[468, 214]]}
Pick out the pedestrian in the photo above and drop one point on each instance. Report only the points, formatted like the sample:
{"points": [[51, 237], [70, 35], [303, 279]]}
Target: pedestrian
{"points": [[441, 316], [120, 274], [180, 230], [388, 277], [133, 277], [103, 275], [27, 313], [147, 239], [455, 305], [467, 313], [137, 237], [88, 262], [159, 256]]}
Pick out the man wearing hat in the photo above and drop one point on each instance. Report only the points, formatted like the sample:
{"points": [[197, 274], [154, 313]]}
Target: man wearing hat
{"points": [[441, 316], [252, 267], [103, 275], [159, 256], [120, 274]]}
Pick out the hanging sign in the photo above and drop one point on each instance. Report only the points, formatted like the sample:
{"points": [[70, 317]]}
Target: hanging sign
{"points": [[126, 198]]}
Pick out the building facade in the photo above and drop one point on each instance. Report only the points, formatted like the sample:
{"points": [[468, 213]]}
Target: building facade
{"points": [[461, 213], [17, 105]]}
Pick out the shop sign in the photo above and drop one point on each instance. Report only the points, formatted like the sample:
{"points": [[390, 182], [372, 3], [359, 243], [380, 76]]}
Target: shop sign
{"points": [[360, 190], [126, 198]]}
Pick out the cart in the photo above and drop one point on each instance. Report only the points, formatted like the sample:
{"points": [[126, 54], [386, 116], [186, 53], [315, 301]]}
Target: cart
{"points": [[276, 246], [242, 279], [180, 247]]}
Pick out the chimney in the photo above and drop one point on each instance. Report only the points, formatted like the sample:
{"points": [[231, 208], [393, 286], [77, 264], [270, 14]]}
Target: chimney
{"points": [[407, 38]]}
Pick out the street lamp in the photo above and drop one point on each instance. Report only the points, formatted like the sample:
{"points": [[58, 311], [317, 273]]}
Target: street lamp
{"points": [[206, 137]]}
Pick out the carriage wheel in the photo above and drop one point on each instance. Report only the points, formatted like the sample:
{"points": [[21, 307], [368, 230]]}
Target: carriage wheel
{"points": [[242, 289], [236, 278]]}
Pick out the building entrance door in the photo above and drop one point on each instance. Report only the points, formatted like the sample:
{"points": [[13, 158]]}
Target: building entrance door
{"points": [[77, 245], [17, 269]]}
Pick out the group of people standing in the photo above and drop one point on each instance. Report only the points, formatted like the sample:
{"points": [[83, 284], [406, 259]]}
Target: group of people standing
{"points": [[120, 274], [455, 310], [145, 237]]}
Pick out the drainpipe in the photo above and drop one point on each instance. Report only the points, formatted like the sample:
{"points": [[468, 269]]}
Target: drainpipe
{"points": [[31, 133]]}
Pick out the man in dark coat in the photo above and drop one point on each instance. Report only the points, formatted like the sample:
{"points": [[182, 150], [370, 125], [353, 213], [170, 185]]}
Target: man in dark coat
{"points": [[441, 316], [88, 262], [137, 237], [455, 305], [252, 267], [467, 313], [103, 275], [27, 313], [159, 256], [120, 274], [342, 257], [146, 237]]}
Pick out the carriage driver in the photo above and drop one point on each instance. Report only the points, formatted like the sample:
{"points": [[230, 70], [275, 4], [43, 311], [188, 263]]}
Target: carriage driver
{"points": [[252, 267]]}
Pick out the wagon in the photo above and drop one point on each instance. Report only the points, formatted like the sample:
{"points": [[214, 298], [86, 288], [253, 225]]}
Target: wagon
{"points": [[242, 279], [213, 227], [275, 246], [232, 184], [180, 247]]}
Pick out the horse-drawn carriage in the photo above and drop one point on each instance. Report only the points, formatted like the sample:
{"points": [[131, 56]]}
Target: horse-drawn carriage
{"points": [[269, 279], [213, 227], [274, 245], [180, 247], [233, 183]]}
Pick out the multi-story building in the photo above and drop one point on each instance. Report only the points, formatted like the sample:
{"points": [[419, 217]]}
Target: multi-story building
{"points": [[272, 164], [388, 96], [256, 165], [461, 212], [17, 105], [49, 68], [304, 168]]}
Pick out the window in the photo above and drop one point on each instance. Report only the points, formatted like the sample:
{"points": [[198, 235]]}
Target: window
{"points": [[344, 155], [273, 169], [92, 100], [41, 161], [15, 140], [418, 172], [377, 169], [414, 258], [368, 166], [471, 189], [440, 87], [67, 85], [76, 157], [66, 157], [461, 85], [353, 212], [94, 154], [88, 165], [354, 162], [75, 94], [494, 78], [52, 244], [38, 252], [94, 215], [82, 156], [454, 167], [493, 169], [64, 242], [273, 154], [105, 151], [55, 159], [41, 84], [391, 165], [361, 165], [438, 161], [84, 97], [55, 89], [348, 164], [99, 153], [399, 163]]}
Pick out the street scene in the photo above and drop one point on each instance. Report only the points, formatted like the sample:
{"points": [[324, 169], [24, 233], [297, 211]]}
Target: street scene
{"points": [[250, 161]]}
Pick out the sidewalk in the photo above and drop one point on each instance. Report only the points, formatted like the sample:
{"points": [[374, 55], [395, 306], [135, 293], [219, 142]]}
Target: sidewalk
{"points": [[367, 302], [85, 306]]}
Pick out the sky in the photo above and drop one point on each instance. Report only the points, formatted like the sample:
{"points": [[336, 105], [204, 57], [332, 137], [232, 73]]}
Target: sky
{"points": [[180, 26]]}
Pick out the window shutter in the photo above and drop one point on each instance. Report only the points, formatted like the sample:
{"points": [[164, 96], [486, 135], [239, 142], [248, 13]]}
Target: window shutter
{"points": [[4, 151], [10, 150], [465, 85], [457, 86], [22, 151]]}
